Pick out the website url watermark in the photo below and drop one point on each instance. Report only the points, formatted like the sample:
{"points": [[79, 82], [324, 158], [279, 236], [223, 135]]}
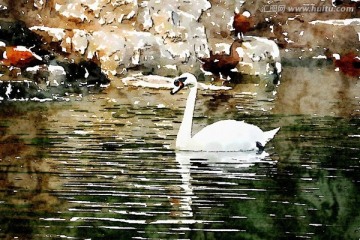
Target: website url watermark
{"points": [[306, 8]]}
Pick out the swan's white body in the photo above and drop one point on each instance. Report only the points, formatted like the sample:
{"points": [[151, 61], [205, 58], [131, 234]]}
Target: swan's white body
{"points": [[222, 136]]}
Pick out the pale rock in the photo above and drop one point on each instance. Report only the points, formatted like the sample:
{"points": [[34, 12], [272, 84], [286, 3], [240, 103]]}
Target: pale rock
{"points": [[53, 73], [57, 75], [39, 4], [157, 33], [75, 10], [80, 41], [222, 48], [260, 56], [56, 34], [195, 7]]}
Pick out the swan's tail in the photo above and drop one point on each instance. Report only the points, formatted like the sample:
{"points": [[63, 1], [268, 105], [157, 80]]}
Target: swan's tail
{"points": [[270, 134]]}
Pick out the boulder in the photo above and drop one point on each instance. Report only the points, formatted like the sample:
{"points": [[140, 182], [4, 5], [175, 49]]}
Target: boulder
{"points": [[161, 37], [259, 56]]}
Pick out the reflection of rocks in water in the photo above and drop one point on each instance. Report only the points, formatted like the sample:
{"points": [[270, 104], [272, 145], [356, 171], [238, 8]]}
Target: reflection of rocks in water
{"points": [[216, 100], [25, 186], [55, 81], [317, 170], [317, 90], [46, 83], [348, 63]]}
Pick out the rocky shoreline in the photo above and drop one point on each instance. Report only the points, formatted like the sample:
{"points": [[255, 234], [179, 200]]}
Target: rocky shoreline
{"points": [[34, 72], [81, 46]]}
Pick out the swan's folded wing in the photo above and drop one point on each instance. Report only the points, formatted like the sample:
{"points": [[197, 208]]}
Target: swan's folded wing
{"points": [[228, 135]]}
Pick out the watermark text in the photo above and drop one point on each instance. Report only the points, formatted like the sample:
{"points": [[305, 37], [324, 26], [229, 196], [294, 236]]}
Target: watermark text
{"points": [[306, 8]]}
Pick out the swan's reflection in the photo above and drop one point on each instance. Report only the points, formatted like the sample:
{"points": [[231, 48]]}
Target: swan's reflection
{"points": [[224, 164]]}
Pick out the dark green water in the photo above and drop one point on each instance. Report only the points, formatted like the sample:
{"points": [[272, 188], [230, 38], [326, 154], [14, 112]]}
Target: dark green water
{"points": [[105, 168]]}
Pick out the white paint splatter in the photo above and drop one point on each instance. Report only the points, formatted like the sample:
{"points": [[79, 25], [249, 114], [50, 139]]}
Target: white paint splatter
{"points": [[336, 56], [8, 90], [338, 22], [57, 33], [2, 7], [320, 57]]}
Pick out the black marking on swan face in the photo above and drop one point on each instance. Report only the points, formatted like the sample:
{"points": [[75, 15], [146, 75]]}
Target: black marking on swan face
{"points": [[177, 81], [179, 84]]}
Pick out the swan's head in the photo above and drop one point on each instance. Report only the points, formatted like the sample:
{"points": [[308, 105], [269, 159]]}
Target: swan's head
{"points": [[186, 79]]}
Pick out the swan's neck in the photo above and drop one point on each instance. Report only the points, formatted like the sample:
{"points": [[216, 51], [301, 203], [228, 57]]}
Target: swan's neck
{"points": [[184, 135]]}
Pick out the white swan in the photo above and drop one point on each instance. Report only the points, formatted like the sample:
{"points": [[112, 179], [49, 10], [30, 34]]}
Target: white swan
{"points": [[222, 136]]}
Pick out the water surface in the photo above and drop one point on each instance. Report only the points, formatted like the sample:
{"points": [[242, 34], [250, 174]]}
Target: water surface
{"points": [[104, 167]]}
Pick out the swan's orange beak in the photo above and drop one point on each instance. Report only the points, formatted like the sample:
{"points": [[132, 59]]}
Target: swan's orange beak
{"points": [[178, 85]]}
